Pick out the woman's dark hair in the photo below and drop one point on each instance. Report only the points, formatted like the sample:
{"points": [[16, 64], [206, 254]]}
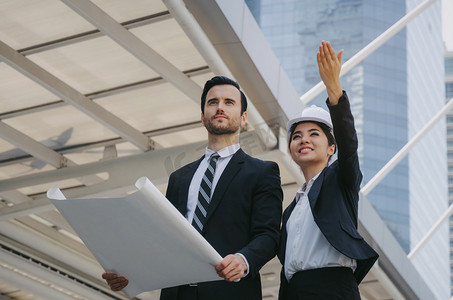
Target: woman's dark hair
{"points": [[324, 128], [221, 80]]}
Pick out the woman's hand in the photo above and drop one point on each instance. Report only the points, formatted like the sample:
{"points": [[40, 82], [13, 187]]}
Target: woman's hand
{"points": [[329, 66]]}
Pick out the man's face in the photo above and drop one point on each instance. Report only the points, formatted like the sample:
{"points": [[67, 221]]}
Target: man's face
{"points": [[222, 110]]}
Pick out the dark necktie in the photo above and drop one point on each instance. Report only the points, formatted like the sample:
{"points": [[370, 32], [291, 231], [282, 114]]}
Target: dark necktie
{"points": [[204, 195]]}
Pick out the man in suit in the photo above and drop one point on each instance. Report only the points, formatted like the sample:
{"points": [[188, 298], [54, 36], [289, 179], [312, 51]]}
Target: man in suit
{"points": [[231, 198]]}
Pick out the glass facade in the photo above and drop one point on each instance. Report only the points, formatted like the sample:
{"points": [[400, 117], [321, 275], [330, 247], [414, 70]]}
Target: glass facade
{"points": [[377, 87], [428, 165], [449, 66], [448, 96], [385, 95]]}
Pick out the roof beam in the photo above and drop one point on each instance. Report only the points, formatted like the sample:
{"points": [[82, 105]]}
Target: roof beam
{"points": [[87, 35], [31, 146], [51, 278], [43, 258], [57, 251], [30, 285], [199, 39], [237, 38], [102, 93], [108, 142], [23, 205], [72, 96], [40, 151], [123, 172], [135, 46]]}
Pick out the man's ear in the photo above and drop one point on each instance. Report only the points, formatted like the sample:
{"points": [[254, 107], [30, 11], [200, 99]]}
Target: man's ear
{"points": [[243, 118], [202, 119]]}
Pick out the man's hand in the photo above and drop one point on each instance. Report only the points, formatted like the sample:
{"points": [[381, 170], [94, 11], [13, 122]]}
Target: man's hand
{"points": [[232, 267], [329, 66], [115, 282]]}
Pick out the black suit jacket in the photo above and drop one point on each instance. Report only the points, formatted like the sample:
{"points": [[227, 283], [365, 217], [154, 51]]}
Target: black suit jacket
{"points": [[334, 198], [244, 216]]}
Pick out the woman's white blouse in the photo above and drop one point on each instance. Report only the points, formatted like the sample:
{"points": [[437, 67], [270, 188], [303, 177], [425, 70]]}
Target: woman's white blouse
{"points": [[306, 246]]}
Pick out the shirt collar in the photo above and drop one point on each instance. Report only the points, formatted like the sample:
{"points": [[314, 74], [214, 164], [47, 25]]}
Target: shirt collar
{"points": [[305, 188], [224, 152]]}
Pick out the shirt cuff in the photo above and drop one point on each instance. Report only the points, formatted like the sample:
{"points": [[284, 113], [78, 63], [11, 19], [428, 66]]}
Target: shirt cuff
{"points": [[247, 263]]}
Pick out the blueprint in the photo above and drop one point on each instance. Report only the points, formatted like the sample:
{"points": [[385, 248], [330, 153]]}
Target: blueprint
{"points": [[141, 237]]}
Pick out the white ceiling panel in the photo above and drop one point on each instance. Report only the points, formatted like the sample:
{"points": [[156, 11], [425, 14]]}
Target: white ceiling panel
{"points": [[46, 20], [90, 155], [93, 65], [43, 188], [24, 168], [201, 79], [169, 40], [18, 91], [29, 22], [126, 149], [153, 107], [8, 150], [94, 154], [60, 126], [183, 137], [122, 11]]}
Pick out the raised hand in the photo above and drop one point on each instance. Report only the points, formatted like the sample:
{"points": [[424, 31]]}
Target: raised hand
{"points": [[329, 66]]}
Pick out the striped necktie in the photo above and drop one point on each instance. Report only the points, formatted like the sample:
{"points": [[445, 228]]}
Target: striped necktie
{"points": [[204, 196]]}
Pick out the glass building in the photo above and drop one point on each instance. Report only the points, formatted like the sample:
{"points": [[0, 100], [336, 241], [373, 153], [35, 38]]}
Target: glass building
{"points": [[392, 98], [449, 95]]}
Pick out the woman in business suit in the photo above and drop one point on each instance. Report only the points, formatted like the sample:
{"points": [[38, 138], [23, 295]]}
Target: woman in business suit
{"points": [[323, 255]]}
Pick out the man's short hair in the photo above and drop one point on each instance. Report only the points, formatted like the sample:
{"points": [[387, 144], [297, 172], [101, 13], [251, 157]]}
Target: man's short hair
{"points": [[221, 80]]}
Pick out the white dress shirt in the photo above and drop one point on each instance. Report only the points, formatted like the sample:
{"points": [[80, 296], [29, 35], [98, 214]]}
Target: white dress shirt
{"points": [[306, 246], [194, 188], [225, 156]]}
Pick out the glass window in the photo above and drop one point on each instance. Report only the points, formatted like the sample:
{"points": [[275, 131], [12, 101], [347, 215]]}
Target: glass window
{"points": [[449, 90], [449, 66]]}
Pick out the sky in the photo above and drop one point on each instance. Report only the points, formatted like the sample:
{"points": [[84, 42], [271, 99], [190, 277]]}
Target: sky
{"points": [[447, 22]]}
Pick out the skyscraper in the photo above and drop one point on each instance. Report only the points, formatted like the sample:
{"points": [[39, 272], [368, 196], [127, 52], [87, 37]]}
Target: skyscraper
{"points": [[449, 95], [392, 97]]}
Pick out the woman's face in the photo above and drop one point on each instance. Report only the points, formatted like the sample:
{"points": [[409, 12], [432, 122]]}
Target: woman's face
{"points": [[309, 146]]}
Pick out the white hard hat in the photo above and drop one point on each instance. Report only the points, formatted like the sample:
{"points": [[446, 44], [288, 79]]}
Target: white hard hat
{"points": [[312, 113]]}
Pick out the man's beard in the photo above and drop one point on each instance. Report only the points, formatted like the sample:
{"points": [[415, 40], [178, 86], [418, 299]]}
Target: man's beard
{"points": [[212, 129]]}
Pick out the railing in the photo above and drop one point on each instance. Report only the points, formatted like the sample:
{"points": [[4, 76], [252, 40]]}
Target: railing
{"points": [[355, 60]]}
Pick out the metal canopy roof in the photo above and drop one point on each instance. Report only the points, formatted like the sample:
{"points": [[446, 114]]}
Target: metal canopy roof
{"points": [[97, 94]]}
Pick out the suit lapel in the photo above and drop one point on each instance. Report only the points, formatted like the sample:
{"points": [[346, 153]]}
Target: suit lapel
{"points": [[284, 233], [183, 192], [315, 189], [233, 167]]}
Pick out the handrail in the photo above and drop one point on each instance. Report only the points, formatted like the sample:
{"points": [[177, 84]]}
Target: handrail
{"points": [[368, 49], [405, 150]]}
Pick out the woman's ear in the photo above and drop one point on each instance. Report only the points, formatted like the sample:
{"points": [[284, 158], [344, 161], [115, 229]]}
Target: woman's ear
{"points": [[331, 150]]}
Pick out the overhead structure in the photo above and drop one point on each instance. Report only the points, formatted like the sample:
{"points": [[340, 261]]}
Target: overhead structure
{"points": [[96, 94]]}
